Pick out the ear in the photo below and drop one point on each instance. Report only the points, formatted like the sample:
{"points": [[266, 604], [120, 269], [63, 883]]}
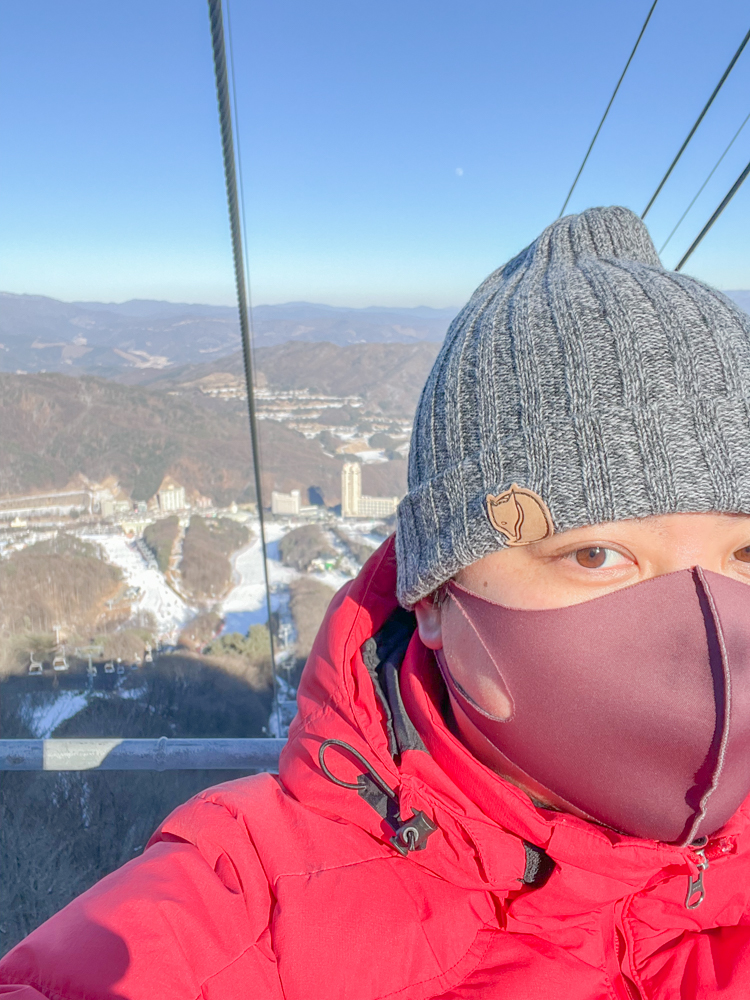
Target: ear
{"points": [[429, 622]]}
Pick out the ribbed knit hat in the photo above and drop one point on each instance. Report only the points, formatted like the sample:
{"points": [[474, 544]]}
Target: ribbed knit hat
{"points": [[582, 383]]}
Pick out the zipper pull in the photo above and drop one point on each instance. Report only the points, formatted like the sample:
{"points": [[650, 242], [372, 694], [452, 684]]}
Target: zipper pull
{"points": [[696, 892]]}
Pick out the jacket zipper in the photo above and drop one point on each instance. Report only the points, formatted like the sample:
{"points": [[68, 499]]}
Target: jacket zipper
{"points": [[702, 853], [696, 892]]}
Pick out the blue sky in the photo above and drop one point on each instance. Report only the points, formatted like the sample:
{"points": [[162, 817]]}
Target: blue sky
{"points": [[393, 153]]}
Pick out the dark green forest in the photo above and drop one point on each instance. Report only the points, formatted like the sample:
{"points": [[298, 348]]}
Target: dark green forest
{"points": [[60, 832]]}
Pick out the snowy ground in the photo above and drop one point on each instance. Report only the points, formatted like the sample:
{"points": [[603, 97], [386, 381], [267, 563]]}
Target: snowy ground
{"points": [[14, 543], [245, 605], [43, 719], [170, 610], [370, 457]]}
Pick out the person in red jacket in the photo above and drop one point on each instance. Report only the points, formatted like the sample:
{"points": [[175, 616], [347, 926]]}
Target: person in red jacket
{"points": [[521, 761]]}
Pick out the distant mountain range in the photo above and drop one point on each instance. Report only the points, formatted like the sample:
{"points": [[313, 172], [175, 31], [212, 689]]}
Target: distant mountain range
{"points": [[136, 340], [742, 298], [108, 339]]}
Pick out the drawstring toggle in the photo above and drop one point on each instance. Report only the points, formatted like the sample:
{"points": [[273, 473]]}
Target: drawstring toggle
{"points": [[412, 835]]}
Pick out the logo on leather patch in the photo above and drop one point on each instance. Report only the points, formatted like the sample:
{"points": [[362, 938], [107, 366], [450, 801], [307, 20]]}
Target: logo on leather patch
{"points": [[521, 515]]}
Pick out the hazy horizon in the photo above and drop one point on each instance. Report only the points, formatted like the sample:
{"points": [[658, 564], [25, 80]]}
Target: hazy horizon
{"points": [[259, 305], [228, 305]]}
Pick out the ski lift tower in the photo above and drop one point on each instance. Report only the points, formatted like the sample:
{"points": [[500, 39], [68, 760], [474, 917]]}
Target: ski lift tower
{"points": [[285, 634], [60, 661]]}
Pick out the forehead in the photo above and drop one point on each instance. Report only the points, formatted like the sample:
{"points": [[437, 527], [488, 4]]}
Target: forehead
{"points": [[667, 526]]}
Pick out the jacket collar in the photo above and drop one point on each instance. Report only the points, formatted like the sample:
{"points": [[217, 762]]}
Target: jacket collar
{"points": [[483, 821]]}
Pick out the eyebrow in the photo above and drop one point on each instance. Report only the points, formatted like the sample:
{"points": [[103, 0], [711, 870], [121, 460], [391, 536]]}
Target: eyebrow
{"points": [[657, 527]]}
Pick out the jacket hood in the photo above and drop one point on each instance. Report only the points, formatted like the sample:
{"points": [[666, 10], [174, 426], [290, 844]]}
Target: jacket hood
{"points": [[485, 825]]}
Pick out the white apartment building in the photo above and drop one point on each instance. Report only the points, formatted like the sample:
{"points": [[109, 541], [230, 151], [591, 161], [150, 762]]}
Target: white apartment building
{"points": [[377, 507], [351, 489], [286, 504], [172, 497], [354, 503]]}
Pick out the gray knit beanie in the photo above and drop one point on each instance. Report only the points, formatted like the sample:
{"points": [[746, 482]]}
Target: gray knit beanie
{"points": [[582, 383]]}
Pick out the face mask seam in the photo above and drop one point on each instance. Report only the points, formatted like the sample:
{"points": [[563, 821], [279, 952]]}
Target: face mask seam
{"points": [[703, 805]]}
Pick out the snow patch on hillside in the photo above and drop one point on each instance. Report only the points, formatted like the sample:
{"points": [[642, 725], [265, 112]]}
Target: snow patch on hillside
{"points": [[44, 719], [249, 592], [168, 608]]}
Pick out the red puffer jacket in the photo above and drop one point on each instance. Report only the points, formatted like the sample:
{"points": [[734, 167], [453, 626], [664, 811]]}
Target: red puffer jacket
{"points": [[291, 888]]}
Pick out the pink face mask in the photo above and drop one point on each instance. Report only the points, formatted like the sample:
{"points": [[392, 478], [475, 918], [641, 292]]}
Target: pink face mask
{"points": [[632, 708]]}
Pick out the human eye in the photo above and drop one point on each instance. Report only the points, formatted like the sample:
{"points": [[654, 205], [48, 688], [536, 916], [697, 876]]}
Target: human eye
{"points": [[599, 557], [743, 554]]}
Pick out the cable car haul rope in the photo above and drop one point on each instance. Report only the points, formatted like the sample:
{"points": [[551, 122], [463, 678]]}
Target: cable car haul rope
{"points": [[698, 120], [735, 187], [230, 176], [171, 754]]}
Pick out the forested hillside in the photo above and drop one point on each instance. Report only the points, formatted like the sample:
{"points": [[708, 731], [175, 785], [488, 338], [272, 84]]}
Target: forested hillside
{"points": [[61, 832], [59, 426], [205, 567], [388, 377], [61, 579], [63, 426]]}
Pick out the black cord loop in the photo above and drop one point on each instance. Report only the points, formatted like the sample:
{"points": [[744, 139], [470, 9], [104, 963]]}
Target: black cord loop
{"points": [[365, 763]]}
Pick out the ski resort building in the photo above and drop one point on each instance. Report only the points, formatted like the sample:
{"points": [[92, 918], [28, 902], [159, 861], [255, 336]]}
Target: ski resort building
{"points": [[171, 497], [354, 503], [286, 504]]}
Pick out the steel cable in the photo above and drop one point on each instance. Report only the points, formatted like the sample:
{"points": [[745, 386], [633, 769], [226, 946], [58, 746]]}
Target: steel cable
{"points": [[728, 197], [230, 177], [604, 116], [700, 189], [698, 120], [240, 175]]}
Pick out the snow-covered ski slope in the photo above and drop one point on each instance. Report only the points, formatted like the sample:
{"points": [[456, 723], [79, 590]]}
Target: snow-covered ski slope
{"points": [[168, 608]]}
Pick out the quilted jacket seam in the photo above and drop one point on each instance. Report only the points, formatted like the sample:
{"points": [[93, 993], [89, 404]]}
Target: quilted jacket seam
{"points": [[336, 867], [445, 972], [228, 965]]}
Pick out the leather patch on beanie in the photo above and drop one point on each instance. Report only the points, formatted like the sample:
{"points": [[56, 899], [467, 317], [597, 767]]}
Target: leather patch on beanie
{"points": [[521, 515]]}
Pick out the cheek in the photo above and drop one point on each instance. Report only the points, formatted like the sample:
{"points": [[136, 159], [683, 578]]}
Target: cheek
{"points": [[511, 578]]}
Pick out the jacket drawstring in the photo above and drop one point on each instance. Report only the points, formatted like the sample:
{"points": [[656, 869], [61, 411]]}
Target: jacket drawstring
{"points": [[413, 833]]}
